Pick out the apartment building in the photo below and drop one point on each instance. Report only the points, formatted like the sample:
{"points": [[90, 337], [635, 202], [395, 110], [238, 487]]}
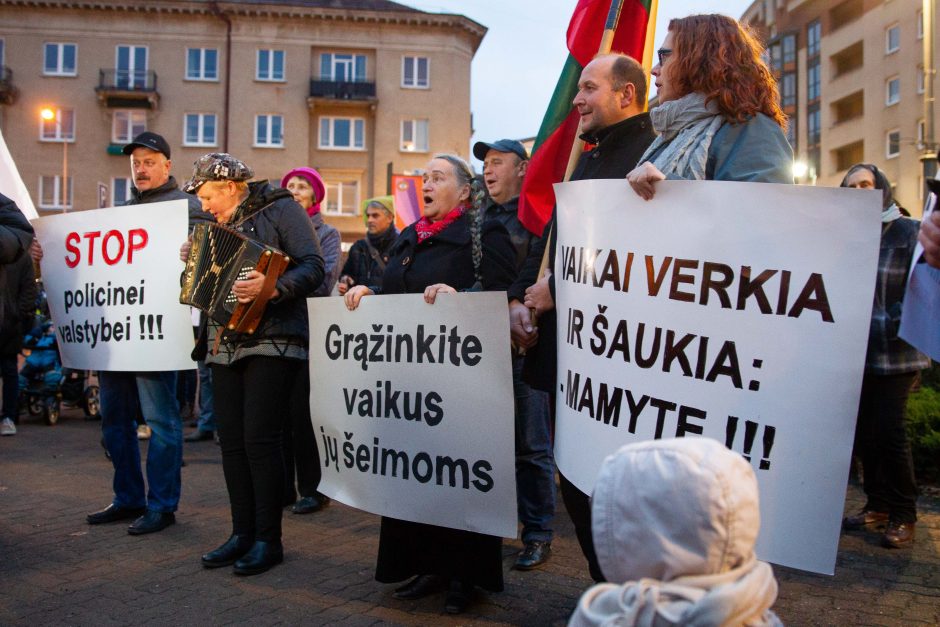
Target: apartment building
{"points": [[851, 77], [354, 88]]}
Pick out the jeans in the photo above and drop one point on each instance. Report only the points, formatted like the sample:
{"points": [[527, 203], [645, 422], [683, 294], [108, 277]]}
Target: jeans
{"points": [[535, 464], [253, 404], [881, 442], [206, 404], [11, 386], [155, 394]]}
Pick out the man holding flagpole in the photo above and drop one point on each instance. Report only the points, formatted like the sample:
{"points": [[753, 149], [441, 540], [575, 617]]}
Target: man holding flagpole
{"points": [[611, 103]]}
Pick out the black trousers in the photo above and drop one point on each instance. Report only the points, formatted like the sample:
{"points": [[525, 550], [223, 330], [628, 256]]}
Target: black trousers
{"points": [[300, 442], [252, 401], [881, 442]]}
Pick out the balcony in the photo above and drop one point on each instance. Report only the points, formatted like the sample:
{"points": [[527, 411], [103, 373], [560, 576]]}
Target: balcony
{"points": [[848, 108], [846, 156], [8, 91], [128, 89], [345, 92]]}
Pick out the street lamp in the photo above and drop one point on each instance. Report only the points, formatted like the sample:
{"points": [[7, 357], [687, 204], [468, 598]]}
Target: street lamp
{"points": [[48, 114]]}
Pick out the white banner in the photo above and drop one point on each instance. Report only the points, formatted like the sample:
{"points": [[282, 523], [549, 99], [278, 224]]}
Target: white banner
{"points": [[735, 311], [412, 405], [112, 278]]}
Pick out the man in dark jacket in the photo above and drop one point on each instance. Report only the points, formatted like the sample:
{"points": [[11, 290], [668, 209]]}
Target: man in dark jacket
{"points": [[611, 100], [504, 168], [154, 392]]}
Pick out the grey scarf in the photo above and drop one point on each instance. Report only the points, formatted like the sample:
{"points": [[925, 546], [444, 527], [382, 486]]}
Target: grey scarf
{"points": [[686, 128]]}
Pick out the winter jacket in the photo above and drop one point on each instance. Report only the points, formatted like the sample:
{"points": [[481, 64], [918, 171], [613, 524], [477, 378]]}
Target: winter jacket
{"points": [[331, 249], [16, 234], [170, 191]]}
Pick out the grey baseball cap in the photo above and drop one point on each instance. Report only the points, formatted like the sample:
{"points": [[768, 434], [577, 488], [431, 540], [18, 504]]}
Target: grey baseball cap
{"points": [[503, 145]]}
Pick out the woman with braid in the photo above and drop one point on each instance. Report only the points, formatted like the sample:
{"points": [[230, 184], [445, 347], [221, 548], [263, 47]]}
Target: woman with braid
{"points": [[448, 250]]}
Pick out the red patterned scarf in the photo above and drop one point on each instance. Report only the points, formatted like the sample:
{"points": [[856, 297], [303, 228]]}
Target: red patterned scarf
{"points": [[425, 228]]}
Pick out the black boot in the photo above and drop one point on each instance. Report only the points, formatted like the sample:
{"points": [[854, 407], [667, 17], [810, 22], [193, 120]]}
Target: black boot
{"points": [[261, 557], [227, 554]]}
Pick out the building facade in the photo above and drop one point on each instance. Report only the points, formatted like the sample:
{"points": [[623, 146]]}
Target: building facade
{"points": [[354, 88], [851, 77]]}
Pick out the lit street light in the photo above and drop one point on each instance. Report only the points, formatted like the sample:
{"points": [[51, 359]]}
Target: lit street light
{"points": [[48, 114]]}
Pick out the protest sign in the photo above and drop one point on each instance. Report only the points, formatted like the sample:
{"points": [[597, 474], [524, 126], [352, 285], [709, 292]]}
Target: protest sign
{"points": [[735, 311], [412, 405], [112, 279]]}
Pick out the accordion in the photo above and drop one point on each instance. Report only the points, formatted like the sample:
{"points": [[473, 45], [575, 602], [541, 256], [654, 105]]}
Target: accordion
{"points": [[220, 256]]}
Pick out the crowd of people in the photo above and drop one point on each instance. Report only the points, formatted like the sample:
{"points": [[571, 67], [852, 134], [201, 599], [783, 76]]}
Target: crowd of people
{"points": [[717, 118]]}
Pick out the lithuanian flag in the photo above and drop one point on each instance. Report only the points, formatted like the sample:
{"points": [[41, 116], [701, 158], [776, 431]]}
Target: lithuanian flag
{"points": [[633, 35]]}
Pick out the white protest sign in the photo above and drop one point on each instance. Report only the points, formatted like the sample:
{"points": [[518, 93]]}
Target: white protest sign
{"points": [[112, 278], [735, 311], [412, 405]]}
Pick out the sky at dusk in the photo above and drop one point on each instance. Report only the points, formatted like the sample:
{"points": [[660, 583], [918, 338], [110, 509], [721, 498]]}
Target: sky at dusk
{"points": [[518, 63]]}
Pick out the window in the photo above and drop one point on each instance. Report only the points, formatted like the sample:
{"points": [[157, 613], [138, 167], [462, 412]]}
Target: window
{"points": [[919, 75], [812, 126], [131, 67], [892, 38], [789, 49], [269, 131], [342, 195], [342, 133], [120, 191], [61, 128], [270, 65], [1, 52], [50, 193], [59, 59], [127, 124], [813, 37], [199, 129], [202, 64], [343, 68], [893, 143], [414, 72], [920, 23], [788, 90], [921, 132], [892, 91], [812, 82], [414, 136]]}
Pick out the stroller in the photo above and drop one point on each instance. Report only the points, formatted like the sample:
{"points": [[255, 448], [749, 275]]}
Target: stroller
{"points": [[41, 374]]}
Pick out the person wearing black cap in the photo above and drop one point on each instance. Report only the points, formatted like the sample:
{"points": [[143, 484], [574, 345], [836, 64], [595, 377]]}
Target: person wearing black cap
{"points": [[504, 168], [154, 392], [611, 100]]}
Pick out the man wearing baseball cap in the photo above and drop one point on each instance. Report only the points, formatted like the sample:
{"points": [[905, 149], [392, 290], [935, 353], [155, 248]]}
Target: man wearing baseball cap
{"points": [[153, 392], [504, 167]]}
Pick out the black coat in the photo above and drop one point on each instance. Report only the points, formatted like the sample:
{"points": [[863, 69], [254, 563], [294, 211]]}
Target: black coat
{"points": [[361, 267], [446, 258], [169, 191], [16, 234], [618, 149]]}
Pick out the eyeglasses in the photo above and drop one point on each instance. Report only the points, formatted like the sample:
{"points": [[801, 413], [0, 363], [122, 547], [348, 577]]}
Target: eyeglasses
{"points": [[662, 53]]}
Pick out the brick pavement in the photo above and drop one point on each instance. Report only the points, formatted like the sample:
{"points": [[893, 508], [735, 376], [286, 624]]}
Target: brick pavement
{"points": [[56, 569]]}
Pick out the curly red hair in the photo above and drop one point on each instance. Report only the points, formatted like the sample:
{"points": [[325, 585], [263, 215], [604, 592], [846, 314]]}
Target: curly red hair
{"points": [[719, 57]]}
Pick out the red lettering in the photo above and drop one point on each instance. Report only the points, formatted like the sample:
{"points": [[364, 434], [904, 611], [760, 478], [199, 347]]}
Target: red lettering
{"points": [[70, 245], [109, 236], [136, 240], [91, 236]]}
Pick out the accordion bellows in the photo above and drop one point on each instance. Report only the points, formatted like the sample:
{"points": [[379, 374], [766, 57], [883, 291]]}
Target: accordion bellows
{"points": [[220, 256]]}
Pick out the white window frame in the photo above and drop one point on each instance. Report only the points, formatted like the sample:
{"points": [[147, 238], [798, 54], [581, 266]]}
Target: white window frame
{"points": [[269, 140], [888, 153], [56, 180], [202, 140], [919, 20], [268, 72], [200, 72], [351, 63], [115, 201], [60, 59], [921, 130], [896, 30], [919, 79], [57, 135], [130, 132], [889, 100], [334, 193], [411, 133], [416, 81], [326, 143]]}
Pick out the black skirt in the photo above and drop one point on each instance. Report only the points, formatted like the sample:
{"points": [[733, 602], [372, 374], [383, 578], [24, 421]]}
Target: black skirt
{"points": [[407, 549]]}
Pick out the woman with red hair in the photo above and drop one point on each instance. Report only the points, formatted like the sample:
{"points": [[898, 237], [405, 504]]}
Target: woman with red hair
{"points": [[718, 117]]}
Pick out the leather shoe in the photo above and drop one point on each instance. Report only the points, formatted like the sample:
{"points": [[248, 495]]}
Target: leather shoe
{"points": [[229, 553], [898, 535], [418, 588], [458, 597], [260, 557], [199, 436], [150, 522], [864, 518], [310, 504], [533, 555], [113, 513]]}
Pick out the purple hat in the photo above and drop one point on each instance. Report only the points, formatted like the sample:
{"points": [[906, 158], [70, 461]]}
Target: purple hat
{"points": [[316, 182]]}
